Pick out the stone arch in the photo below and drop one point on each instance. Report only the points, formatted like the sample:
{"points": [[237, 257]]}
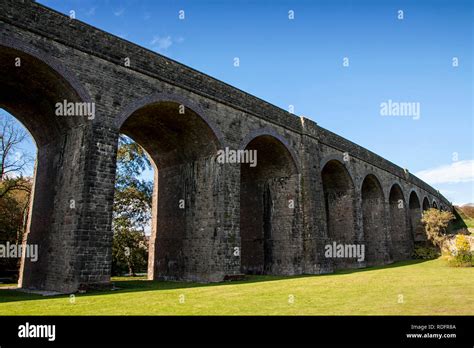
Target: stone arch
{"points": [[373, 177], [269, 208], [339, 197], [414, 205], [170, 98], [340, 158], [270, 132], [31, 84], [402, 239], [184, 150], [185, 136], [373, 220], [426, 203], [434, 204], [388, 188], [30, 91], [52, 63]]}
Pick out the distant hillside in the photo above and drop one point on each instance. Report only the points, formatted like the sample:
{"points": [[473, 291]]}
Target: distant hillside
{"points": [[465, 216], [466, 210]]}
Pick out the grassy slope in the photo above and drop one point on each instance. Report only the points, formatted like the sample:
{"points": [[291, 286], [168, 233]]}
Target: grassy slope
{"points": [[467, 216], [428, 287]]}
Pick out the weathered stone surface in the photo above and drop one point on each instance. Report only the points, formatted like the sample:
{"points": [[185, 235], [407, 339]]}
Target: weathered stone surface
{"points": [[310, 187]]}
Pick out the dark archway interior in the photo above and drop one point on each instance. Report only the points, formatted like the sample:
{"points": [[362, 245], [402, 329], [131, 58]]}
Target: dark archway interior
{"points": [[264, 194], [339, 200], [171, 137], [435, 205], [414, 201], [426, 204], [30, 92], [183, 148], [373, 220], [402, 239], [415, 217]]}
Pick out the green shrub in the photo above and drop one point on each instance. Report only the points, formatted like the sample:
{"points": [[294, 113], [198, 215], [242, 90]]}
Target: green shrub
{"points": [[454, 262], [426, 253]]}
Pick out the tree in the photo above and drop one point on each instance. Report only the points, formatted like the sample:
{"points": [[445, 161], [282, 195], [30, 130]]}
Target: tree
{"points": [[15, 189], [132, 208], [13, 162], [436, 222], [130, 248]]}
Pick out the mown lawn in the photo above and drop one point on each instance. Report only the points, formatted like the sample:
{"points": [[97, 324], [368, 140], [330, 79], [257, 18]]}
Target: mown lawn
{"points": [[404, 288]]}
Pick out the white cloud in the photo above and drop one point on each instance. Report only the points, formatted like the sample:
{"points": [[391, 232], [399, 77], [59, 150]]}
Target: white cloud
{"points": [[161, 43], [459, 171], [119, 12]]}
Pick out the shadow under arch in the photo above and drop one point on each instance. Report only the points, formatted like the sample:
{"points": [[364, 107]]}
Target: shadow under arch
{"points": [[269, 207], [426, 203], [175, 98], [373, 220], [339, 199], [415, 214], [274, 134], [401, 236], [32, 82]]}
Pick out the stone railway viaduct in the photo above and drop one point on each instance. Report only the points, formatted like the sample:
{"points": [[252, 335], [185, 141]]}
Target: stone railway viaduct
{"points": [[310, 188]]}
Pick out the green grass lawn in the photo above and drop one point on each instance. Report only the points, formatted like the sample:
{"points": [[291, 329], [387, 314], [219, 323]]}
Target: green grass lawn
{"points": [[426, 288]]}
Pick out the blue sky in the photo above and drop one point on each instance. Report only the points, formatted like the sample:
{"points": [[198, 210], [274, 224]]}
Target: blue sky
{"points": [[300, 62]]}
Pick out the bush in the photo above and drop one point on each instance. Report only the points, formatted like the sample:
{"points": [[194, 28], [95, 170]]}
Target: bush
{"points": [[462, 255], [426, 253], [453, 262], [435, 222]]}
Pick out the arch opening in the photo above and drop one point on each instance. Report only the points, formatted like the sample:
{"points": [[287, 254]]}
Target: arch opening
{"points": [[269, 209], [131, 223], [373, 220], [402, 239], [30, 90], [182, 148], [17, 158], [434, 205], [416, 226], [339, 194], [426, 204]]}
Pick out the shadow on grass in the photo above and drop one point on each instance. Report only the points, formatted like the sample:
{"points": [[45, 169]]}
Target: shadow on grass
{"points": [[129, 286]]}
